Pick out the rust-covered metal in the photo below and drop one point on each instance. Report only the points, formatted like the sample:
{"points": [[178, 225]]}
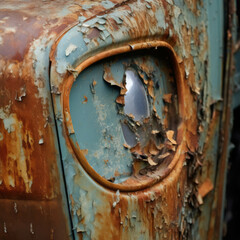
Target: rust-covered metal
{"points": [[138, 182], [33, 201], [49, 188]]}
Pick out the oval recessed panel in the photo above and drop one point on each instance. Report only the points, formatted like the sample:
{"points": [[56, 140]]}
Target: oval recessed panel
{"points": [[121, 108]]}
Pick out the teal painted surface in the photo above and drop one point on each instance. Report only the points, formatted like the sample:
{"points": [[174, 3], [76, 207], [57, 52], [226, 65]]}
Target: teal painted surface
{"points": [[97, 117], [97, 123]]}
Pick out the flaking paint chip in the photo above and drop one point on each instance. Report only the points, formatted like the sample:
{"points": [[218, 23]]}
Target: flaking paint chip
{"points": [[120, 100], [131, 116], [100, 27], [106, 33], [151, 162], [150, 89], [108, 77], [117, 199], [138, 123], [162, 156], [196, 90], [41, 141], [84, 29], [136, 149], [73, 71], [101, 21], [199, 199], [153, 151], [170, 134], [155, 132], [71, 48], [126, 146]]}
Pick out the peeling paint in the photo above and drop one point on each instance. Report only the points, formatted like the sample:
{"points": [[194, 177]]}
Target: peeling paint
{"points": [[152, 189], [29, 173]]}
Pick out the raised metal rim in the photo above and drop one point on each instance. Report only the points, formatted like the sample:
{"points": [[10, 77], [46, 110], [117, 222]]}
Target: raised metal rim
{"points": [[68, 127]]}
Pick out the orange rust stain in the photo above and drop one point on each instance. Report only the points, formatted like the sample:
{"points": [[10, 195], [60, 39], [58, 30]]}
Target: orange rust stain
{"points": [[101, 222], [156, 210], [167, 98], [113, 25], [28, 169], [32, 167], [105, 161], [116, 173], [85, 99]]}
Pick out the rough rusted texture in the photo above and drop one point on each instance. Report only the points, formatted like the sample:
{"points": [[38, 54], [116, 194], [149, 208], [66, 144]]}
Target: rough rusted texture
{"points": [[30, 168], [27, 32], [78, 35], [121, 29]]}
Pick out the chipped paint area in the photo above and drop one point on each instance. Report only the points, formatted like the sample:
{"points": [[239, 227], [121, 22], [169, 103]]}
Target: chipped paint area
{"points": [[18, 168]]}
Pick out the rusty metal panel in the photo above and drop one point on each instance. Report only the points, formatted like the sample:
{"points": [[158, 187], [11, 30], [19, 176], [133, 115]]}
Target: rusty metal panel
{"points": [[32, 193], [167, 186], [174, 200]]}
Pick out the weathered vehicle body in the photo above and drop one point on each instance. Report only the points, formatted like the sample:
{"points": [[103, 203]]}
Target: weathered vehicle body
{"points": [[81, 160]]}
